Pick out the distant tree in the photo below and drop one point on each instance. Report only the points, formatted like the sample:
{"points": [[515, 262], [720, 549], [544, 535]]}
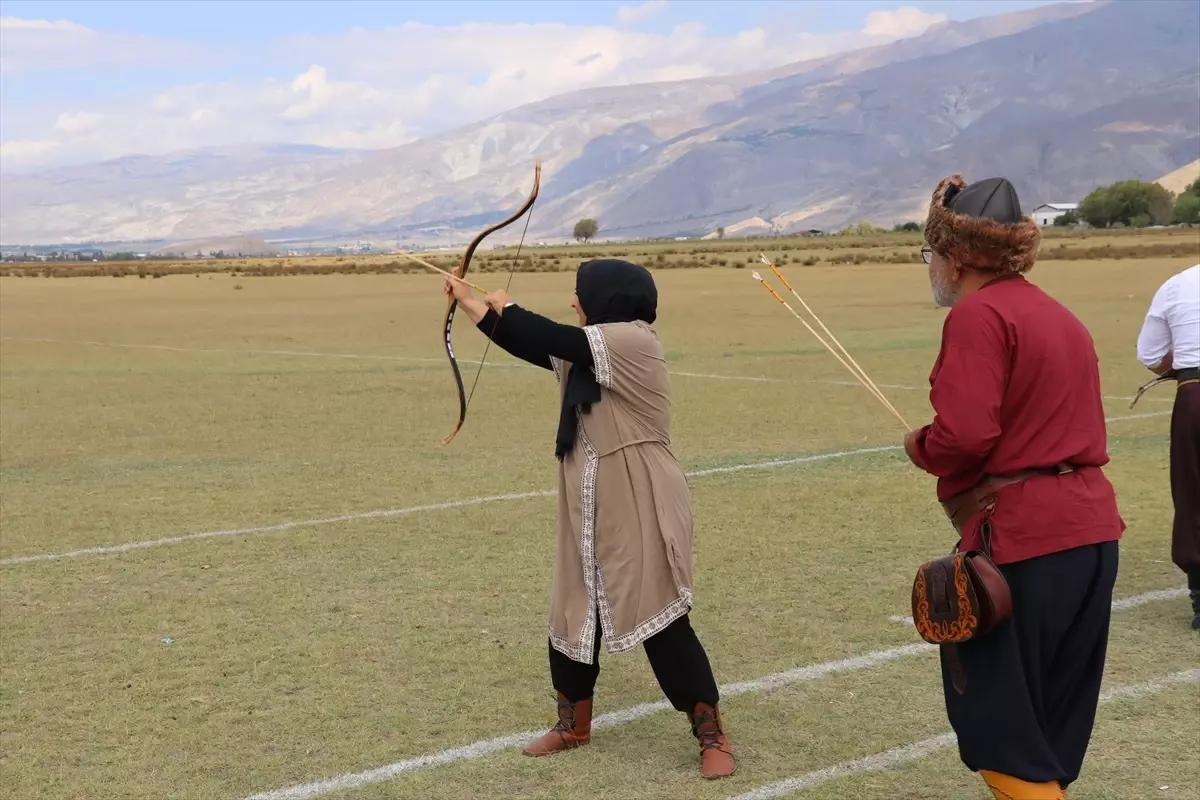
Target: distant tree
{"points": [[1126, 201], [721, 233], [1187, 206], [585, 229], [908, 227], [863, 228], [1066, 219]]}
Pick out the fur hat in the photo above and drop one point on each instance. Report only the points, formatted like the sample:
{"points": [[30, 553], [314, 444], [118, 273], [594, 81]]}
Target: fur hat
{"points": [[981, 226]]}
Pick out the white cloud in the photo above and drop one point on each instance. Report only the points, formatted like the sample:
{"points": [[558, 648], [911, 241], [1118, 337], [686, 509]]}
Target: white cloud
{"points": [[77, 121], [17, 23], [26, 149], [901, 23], [378, 88], [39, 45], [628, 15]]}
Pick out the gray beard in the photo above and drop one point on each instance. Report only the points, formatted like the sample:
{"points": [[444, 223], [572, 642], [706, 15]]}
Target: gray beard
{"points": [[943, 293]]}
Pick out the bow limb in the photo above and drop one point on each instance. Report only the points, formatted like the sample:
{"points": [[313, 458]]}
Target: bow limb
{"points": [[452, 305], [1150, 384]]}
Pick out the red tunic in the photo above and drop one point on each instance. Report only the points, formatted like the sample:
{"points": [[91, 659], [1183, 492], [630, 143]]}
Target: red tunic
{"points": [[1017, 386]]}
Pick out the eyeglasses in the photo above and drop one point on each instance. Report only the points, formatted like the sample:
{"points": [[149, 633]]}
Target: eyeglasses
{"points": [[927, 254]]}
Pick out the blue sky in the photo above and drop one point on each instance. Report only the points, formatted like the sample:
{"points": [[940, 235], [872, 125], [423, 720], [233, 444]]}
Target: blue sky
{"points": [[97, 79], [211, 20]]}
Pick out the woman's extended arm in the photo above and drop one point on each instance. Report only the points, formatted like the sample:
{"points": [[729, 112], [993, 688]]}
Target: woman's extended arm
{"points": [[527, 335]]}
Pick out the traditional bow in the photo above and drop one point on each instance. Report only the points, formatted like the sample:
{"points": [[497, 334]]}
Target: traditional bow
{"points": [[1150, 384], [460, 272]]}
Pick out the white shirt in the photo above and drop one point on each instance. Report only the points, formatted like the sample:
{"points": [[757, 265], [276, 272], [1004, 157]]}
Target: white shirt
{"points": [[1173, 322]]}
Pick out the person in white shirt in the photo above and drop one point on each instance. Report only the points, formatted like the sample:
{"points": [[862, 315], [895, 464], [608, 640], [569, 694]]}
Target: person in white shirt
{"points": [[1169, 346]]}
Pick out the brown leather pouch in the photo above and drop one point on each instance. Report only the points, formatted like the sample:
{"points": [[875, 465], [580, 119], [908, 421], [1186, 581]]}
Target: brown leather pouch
{"points": [[960, 597]]}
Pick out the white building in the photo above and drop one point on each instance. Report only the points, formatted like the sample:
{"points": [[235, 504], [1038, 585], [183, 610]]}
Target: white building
{"points": [[1046, 214]]}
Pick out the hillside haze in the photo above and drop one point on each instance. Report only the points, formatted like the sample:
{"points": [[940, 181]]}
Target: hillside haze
{"points": [[1060, 99]]}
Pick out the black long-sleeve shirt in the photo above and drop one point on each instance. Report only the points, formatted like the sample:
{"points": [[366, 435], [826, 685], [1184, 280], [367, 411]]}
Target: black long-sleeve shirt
{"points": [[533, 338]]}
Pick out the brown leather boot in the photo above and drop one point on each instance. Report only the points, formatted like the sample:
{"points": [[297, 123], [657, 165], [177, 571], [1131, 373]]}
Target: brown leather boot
{"points": [[716, 756], [574, 729]]}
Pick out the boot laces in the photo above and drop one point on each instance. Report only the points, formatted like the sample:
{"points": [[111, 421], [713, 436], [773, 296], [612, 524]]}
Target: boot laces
{"points": [[566, 718], [705, 728]]}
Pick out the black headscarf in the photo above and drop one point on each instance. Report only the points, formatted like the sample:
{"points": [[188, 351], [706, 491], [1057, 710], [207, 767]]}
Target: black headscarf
{"points": [[609, 290]]}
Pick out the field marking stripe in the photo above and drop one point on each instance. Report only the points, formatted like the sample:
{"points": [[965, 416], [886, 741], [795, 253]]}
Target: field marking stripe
{"points": [[485, 747], [914, 751], [398, 512], [243, 350], [315, 354], [904, 386], [1146, 415], [470, 501], [1117, 605], [731, 377], [1147, 597], [282, 526], [1144, 399]]}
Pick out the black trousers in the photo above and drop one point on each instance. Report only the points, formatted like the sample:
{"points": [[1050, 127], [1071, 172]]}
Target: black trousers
{"points": [[1033, 683], [678, 659], [1185, 480]]}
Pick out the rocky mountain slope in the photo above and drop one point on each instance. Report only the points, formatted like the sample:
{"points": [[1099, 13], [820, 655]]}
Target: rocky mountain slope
{"points": [[1059, 99]]}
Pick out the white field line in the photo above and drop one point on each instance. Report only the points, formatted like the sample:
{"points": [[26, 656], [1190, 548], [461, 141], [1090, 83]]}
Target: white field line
{"points": [[400, 512], [315, 354], [750, 378], [485, 747], [914, 751], [1117, 605], [1143, 400], [1146, 415], [884, 385], [470, 501], [282, 526], [1149, 597], [249, 351]]}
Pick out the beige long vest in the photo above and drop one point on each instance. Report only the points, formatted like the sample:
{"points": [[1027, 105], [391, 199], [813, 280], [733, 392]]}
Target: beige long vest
{"points": [[624, 538]]}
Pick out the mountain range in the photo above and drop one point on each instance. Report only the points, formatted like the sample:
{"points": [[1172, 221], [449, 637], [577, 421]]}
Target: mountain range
{"points": [[1060, 99]]}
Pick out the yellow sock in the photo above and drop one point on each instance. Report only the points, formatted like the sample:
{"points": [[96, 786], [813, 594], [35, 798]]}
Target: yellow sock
{"points": [[1006, 787]]}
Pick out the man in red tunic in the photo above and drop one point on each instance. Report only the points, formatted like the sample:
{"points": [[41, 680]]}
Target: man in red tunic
{"points": [[1019, 419]]}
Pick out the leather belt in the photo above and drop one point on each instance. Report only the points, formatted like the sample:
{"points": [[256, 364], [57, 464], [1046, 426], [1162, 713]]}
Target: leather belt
{"points": [[964, 505], [1187, 375]]}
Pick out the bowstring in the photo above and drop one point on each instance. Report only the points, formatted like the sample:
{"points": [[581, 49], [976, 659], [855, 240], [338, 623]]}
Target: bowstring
{"points": [[496, 324]]}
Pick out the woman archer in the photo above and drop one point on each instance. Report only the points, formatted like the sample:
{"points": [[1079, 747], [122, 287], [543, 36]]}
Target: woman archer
{"points": [[623, 560]]}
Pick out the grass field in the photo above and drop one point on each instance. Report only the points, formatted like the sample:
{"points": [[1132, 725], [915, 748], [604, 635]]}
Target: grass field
{"points": [[341, 593]]}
